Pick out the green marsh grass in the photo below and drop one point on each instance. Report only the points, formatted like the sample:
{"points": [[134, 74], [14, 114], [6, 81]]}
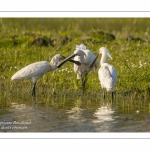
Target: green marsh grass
{"points": [[126, 38]]}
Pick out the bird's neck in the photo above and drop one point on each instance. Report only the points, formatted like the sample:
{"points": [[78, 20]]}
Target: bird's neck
{"points": [[103, 59], [52, 67]]}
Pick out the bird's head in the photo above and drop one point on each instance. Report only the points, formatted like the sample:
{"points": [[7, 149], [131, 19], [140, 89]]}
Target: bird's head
{"points": [[56, 59], [104, 51], [79, 52], [81, 47]]}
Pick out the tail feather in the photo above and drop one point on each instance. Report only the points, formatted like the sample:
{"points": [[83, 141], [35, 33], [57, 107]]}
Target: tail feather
{"points": [[12, 78]]}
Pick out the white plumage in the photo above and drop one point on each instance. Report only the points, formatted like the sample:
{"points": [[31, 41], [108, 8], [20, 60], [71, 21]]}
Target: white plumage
{"points": [[107, 77], [107, 73], [85, 57], [36, 70]]}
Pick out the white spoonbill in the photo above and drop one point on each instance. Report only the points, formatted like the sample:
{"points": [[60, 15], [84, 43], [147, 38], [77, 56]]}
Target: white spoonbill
{"points": [[107, 73], [85, 57], [36, 70]]}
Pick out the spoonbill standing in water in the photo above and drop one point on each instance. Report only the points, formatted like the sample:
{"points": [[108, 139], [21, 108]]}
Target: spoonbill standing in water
{"points": [[85, 57], [107, 73], [36, 70]]}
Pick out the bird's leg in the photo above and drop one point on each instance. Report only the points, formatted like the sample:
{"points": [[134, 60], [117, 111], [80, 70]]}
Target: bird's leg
{"points": [[33, 89], [82, 85], [112, 95], [103, 93], [112, 101], [84, 78]]}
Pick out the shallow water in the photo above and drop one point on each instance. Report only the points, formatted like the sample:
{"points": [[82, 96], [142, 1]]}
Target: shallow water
{"points": [[75, 114]]}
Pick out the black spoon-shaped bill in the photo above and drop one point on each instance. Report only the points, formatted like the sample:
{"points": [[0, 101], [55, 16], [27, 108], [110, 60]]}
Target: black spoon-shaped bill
{"points": [[68, 59], [94, 61]]}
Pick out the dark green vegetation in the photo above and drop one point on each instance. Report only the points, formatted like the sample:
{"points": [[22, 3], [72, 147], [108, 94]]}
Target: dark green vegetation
{"points": [[27, 40]]}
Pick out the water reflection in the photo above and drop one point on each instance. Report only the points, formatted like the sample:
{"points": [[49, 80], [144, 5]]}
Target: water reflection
{"points": [[75, 114], [103, 114]]}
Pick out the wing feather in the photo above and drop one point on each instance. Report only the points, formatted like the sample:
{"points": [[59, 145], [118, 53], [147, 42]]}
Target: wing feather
{"points": [[107, 77], [36, 69]]}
